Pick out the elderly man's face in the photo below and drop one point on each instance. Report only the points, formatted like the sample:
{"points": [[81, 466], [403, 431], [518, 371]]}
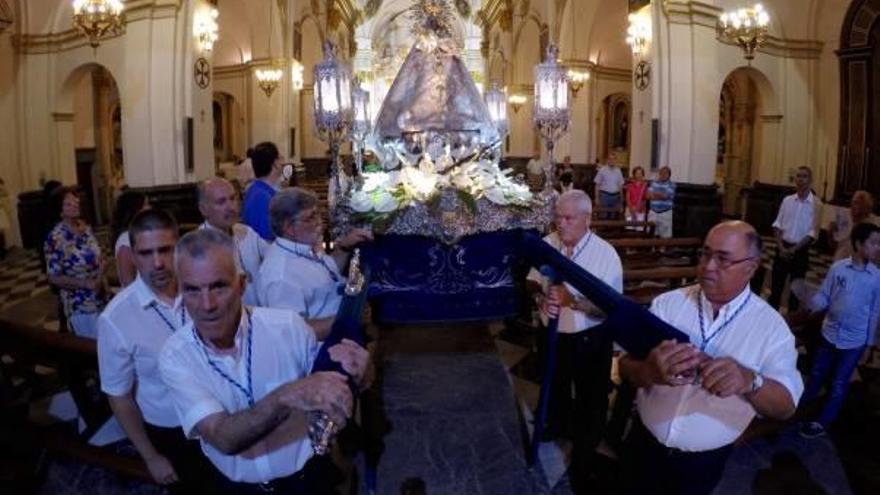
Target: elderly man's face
{"points": [[308, 227], [154, 257], [860, 206], [571, 223], [726, 264], [212, 289], [220, 205]]}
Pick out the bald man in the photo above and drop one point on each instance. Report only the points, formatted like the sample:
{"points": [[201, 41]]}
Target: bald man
{"points": [[218, 203], [694, 400], [861, 210]]}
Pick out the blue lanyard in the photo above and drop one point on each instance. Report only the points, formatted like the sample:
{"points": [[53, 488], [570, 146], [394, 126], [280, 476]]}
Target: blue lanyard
{"points": [[319, 259], [724, 325], [581, 249], [249, 391], [168, 324]]}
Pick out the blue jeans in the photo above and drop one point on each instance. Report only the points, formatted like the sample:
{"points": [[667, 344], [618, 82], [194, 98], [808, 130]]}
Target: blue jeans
{"points": [[608, 200], [840, 363]]}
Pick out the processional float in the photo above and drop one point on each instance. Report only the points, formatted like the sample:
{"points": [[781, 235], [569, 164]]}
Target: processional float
{"points": [[451, 227]]}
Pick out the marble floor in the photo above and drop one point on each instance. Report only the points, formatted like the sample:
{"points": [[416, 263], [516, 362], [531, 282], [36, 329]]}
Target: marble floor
{"points": [[455, 443]]}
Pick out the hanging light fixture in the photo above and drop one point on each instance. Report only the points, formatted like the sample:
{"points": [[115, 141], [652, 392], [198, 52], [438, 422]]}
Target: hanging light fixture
{"points": [[296, 75], [269, 79], [97, 18], [638, 34], [496, 102], [333, 111], [551, 114], [205, 28], [362, 121], [517, 101], [746, 27], [577, 79]]}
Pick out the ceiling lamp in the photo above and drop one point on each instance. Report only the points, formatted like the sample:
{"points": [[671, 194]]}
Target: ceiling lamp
{"points": [[638, 34], [747, 27], [205, 29], [97, 18], [269, 79], [576, 80]]}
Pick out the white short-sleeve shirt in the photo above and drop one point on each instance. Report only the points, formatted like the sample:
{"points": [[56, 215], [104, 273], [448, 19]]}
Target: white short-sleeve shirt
{"points": [[283, 351], [688, 417], [609, 179], [250, 249], [124, 240], [293, 276], [595, 255], [131, 332], [798, 218]]}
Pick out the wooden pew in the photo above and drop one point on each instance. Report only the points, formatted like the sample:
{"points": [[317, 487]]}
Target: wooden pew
{"points": [[638, 253], [643, 285], [69, 355], [610, 229]]}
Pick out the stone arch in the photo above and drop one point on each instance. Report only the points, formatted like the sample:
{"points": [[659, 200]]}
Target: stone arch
{"points": [[521, 65]]}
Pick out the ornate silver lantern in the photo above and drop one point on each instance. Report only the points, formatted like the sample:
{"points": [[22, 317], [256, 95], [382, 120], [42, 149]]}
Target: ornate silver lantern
{"points": [[496, 102], [363, 122], [333, 110], [551, 110]]}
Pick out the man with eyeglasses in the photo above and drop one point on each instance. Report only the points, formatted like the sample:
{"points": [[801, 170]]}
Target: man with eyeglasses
{"points": [[297, 273], [694, 400], [796, 228]]}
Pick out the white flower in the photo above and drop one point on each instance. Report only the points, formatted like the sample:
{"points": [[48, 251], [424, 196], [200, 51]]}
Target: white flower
{"points": [[360, 201], [384, 202], [496, 196], [375, 180]]}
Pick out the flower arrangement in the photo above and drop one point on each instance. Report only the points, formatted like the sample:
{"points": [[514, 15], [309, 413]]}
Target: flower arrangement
{"points": [[382, 193]]}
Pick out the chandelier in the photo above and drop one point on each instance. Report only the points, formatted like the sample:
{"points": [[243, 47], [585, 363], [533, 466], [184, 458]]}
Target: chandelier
{"points": [[296, 75], [577, 79], [747, 27], [638, 34], [517, 101], [205, 29], [268, 79], [97, 18], [551, 111], [496, 102]]}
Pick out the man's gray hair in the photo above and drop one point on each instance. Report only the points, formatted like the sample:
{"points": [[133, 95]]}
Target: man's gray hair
{"points": [[578, 197], [287, 204], [202, 188], [199, 242]]}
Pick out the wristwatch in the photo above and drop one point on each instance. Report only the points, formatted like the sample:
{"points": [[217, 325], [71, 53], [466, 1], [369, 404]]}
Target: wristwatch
{"points": [[757, 382]]}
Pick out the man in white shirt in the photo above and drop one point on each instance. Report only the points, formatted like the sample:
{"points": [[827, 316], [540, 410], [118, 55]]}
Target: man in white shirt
{"points": [[609, 182], [584, 346], [131, 331], [296, 273], [219, 205], [796, 228], [695, 399], [239, 376]]}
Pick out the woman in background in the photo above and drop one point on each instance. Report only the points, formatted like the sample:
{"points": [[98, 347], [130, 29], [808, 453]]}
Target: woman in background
{"points": [[74, 264], [635, 189], [129, 204]]}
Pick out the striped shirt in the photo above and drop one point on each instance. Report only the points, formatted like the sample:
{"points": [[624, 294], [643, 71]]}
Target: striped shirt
{"points": [[664, 187]]}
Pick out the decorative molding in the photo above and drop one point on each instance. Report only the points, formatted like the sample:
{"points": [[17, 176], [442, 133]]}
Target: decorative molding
{"points": [[705, 15], [599, 72], [71, 39]]}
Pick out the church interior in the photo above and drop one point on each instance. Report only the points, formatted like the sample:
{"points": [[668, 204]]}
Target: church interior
{"points": [[446, 129]]}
